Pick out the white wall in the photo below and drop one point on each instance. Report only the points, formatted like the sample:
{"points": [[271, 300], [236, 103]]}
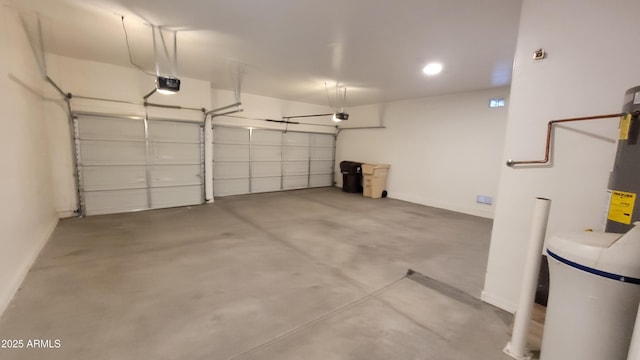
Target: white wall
{"points": [[95, 79], [443, 151], [592, 61], [27, 215]]}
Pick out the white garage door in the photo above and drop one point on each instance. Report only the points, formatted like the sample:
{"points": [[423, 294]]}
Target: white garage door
{"points": [[259, 160], [231, 161], [129, 164]]}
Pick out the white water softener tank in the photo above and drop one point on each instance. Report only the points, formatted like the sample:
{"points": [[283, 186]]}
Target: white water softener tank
{"points": [[593, 296]]}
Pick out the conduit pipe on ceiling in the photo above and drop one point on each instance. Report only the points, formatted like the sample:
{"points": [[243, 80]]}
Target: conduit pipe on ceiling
{"points": [[517, 347], [547, 151]]}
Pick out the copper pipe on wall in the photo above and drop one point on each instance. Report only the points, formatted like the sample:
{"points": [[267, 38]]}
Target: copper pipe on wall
{"points": [[512, 163]]}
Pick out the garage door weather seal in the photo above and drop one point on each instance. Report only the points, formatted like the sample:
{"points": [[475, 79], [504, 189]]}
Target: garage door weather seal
{"points": [[593, 271]]}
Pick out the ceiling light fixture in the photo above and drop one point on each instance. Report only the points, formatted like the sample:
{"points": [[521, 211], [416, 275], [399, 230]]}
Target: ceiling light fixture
{"points": [[432, 69]]}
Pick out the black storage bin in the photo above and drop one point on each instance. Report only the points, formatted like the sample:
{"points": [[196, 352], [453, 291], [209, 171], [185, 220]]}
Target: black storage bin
{"points": [[351, 176]]}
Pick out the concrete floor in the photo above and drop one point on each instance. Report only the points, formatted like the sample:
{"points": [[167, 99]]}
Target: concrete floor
{"points": [[311, 274]]}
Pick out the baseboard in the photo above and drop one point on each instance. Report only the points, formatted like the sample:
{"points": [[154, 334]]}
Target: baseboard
{"points": [[63, 214], [499, 302], [6, 295], [440, 205]]}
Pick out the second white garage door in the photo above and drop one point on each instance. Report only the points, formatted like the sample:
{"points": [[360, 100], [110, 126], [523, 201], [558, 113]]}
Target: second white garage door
{"points": [[259, 160], [129, 164]]}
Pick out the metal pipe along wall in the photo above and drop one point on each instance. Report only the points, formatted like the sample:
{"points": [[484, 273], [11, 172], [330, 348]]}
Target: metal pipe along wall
{"points": [[517, 347]]}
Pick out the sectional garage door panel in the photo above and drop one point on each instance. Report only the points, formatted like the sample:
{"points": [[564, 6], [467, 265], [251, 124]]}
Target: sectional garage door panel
{"points": [[321, 153], [259, 185], [228, 135], [174, 132], [98, 178], [266, 137], [296, 153], [321, 167], [266, 161], [320, 180], [295, 182], [266, 169], [131, 164], [110, 129], [164, 197], [231, 154], [321, 163], [295, 139], [112, 152], [115, 201], [295, 157], [260, 160], [231, 170], [176, 164], [175, 153], [230, 187], [292, 168], [261, 153], [175, 175]]}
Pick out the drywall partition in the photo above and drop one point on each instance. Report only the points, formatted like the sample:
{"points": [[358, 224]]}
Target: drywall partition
{"points": [[27, 215], [84, 78], [444, 151], [590, 64]]}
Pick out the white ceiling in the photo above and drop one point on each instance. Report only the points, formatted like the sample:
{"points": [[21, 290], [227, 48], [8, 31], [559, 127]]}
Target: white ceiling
{"points": [[290, 48]]}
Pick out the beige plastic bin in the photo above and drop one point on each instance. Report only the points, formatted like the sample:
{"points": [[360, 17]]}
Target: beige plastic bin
{"points": [[375, 179]]}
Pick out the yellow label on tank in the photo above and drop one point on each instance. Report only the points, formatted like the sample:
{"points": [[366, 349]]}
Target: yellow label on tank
{"points": [[625, 124], [621, 207]]}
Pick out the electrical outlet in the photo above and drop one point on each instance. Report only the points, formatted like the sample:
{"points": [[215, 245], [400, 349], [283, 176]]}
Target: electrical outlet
{"points": [[484, 199], [539, 54]]}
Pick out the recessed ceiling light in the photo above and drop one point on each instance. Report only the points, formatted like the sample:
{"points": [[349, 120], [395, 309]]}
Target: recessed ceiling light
{"points": [[432, 69]]}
